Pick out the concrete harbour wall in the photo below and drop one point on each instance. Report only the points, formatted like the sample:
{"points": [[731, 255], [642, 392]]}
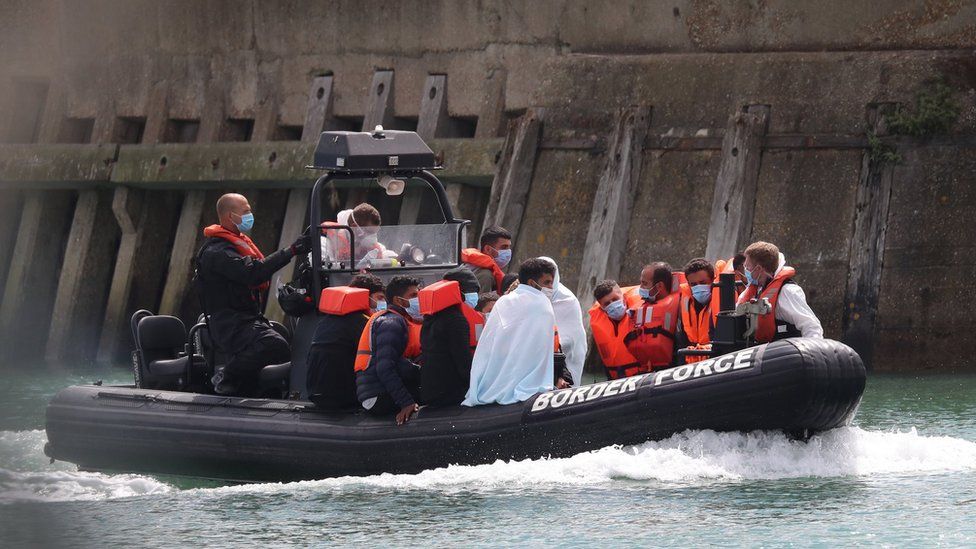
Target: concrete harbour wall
{"points": [[625, 125]]}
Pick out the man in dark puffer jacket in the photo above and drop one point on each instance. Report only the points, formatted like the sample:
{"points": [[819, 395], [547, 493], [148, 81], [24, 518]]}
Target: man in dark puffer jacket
{"points": [[389, 380], [445, 338]]}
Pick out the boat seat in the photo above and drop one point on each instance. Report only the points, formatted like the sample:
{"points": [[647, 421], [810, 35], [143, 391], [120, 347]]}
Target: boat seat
{"points": [[167, 368], [161, 360], [274, 379]]}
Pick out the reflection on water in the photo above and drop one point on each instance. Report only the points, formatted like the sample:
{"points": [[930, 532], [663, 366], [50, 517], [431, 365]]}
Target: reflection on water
{"points": [[904, 474]]}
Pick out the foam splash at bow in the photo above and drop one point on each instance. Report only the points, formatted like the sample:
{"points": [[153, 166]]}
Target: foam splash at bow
{"points": [[27, 475], [688, 458]]}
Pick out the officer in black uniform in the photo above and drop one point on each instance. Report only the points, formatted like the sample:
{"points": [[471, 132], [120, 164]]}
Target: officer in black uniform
{"points": [[231, 276]]}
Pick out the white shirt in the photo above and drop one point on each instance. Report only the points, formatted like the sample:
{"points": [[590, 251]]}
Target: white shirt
{"points": [[792, 307]]}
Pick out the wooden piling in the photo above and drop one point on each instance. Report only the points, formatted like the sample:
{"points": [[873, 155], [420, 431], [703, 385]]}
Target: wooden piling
{"points": [[872, 200], [513, 180], [734, 201], [606, 237]]}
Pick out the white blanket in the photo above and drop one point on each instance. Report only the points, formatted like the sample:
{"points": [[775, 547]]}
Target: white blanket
{"points": [[513, 360]]}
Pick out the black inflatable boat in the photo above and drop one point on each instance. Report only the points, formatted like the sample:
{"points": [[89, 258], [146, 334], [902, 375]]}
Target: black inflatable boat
{"points": [[800, 386]]}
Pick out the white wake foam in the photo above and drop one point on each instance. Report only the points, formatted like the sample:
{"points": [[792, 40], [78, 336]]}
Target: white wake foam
{"points": [[26, 474], [693, 457], [688, 458]]}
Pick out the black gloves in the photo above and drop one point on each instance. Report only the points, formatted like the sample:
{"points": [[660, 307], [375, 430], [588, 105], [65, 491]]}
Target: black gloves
{"points": [[302, 245]]}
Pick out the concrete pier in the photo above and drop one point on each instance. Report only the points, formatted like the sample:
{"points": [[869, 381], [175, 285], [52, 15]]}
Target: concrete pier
{"points": [[115, 141]]}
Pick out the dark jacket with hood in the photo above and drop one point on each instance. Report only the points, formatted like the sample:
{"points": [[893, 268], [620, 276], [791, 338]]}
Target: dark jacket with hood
{"points": [[331, 379], [445, 338], [228, 286], [446, 374], [389, 372]]}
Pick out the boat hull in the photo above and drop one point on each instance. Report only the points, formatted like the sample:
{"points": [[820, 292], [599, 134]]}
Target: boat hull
{"points": [[800, 386]]}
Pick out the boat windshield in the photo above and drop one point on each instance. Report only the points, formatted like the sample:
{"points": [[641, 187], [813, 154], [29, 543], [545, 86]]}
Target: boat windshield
{"points": [[388, 247]]}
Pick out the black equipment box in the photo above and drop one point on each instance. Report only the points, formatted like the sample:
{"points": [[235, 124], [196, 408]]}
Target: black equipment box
{"points": [[371, 152]]}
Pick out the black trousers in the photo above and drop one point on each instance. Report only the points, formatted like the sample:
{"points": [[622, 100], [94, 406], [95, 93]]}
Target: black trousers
{"points": [[267, 348]]}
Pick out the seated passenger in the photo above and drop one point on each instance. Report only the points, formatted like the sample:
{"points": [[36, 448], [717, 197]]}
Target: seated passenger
{"points": [[699, 308], [733, 265], [377, 292], [509, 283], [231, 277], [655, 317], [488, 262], [769, 276], [569, 326], [364, 220], [331, 379], [486, 302], [469, 292], [610, 325], [514, 358], [387, 378], [446, 339]]}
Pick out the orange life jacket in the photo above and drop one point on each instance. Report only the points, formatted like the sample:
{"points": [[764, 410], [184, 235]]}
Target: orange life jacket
{"points": [[652, 340], [364, 354], [343, 300], [242, 243], [768, 325], [482, 260], [697, 324], [609, 338], [476, 324]]}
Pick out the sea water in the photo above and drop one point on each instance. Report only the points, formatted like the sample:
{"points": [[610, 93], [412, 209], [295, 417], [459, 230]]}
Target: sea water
{"points": [[904, 474]]}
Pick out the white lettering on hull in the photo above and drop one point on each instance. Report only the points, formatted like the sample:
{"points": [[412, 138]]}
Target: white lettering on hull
{"points": [[740, 360], [588, 393]]}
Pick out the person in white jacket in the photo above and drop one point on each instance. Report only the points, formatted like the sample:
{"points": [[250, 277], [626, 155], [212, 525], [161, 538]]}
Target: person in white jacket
{"points": [[569, 325], [769, 276]]}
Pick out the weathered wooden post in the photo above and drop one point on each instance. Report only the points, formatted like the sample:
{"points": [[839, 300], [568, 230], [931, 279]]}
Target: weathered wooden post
{"points": [[871, 204], [513, 180], [734, 202], [606, 236]]}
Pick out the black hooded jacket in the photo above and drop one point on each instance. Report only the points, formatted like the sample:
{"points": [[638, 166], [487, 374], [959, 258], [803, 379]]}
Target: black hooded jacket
{"points": [[226, 282], [331, 378], [446, 375]]}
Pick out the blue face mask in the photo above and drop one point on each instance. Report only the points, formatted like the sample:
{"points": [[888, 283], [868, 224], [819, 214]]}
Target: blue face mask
{"points": [[646, 294], [749, 278], [414, 309], [503, 259], [616, 309], [247, 222], [471, 298], [380, 306], [702, 292]]}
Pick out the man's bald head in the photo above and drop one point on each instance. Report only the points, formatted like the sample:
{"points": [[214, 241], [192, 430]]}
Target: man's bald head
{"points": [[230, 208]]}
